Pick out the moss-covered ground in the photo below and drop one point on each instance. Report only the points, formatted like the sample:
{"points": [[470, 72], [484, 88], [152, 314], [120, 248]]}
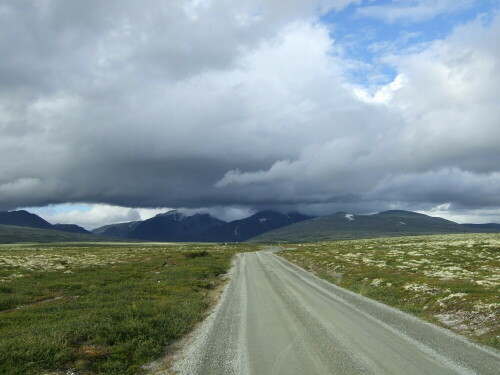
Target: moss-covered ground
{"points": [[450, 280], [102, 308]]}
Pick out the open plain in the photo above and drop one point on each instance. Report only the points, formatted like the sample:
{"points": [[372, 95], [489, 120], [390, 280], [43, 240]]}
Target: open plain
{"points": [[101, 308], [117, 308]]}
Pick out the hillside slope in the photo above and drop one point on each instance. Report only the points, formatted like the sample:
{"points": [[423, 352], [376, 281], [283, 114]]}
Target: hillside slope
{"points": [[116, 230], [12, 234], [261, 222], [176, 227], [22, 218], [342, 226]]}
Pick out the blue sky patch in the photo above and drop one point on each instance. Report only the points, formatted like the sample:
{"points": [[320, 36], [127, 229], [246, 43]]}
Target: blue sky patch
{"points": [[367, 38]]}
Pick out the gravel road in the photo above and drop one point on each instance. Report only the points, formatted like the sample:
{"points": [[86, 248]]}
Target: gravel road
{"points": [[275, 318]]}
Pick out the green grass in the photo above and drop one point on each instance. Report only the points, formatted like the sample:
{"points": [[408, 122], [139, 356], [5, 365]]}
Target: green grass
{"points": [[450, 280], [101, 309]]}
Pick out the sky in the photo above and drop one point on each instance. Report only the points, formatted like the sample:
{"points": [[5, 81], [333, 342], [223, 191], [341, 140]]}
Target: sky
{"points": [[117, 110]]}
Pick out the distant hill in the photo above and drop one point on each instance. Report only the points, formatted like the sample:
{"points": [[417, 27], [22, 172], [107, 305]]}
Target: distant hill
{"points": [[261, 222], [22, 218], [489, 227], [341, 226], [173, 226], [10, 234], [176, 227], [263, 227], [73, 228], [116, 230]]}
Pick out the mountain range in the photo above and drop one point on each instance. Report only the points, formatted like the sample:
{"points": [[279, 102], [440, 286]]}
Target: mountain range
{"points": [[26, 219], [344, 226], [174, 226], [262, 227]]}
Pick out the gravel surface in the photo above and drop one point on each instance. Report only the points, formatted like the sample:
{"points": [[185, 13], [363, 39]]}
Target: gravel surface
{"points": [[275, 318]]}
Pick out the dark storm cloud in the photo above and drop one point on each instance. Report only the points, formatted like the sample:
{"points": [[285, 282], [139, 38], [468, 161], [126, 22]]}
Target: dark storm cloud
{"points": [[214, 104]]}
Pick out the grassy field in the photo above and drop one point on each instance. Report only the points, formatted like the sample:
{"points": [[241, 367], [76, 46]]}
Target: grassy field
{"points": [[101, 308], [451, 280]]}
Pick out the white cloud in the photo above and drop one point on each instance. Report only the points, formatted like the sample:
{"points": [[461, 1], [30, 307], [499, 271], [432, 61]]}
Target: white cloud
{"points": [[95, 215], [92, 216], [223, 213], [464, 216], [243, 104], [413, 10], [384, 94], [435, 103]]}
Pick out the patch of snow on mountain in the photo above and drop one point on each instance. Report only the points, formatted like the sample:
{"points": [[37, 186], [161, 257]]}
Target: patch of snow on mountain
{"points": [[349, 216], [263, 219]]}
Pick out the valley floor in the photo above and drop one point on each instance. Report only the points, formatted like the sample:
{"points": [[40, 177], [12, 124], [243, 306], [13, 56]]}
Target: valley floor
{"points": [[102, 308], [109, 308]]}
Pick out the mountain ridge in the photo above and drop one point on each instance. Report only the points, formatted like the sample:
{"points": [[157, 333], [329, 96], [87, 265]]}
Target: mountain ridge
{"points": [[344, 226], [173, 226], [25, 219], [264, 226]]}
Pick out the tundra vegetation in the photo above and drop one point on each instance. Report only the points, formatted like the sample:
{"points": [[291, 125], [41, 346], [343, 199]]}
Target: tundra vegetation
{"points": [[452, 280], [102, 308]]}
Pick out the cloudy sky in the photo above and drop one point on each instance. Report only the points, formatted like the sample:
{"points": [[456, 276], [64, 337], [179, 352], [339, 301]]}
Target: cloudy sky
{"points": [[116, 110]]}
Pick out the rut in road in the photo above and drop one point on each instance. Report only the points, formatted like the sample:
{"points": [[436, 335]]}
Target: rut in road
{"points": [[275, 318]]}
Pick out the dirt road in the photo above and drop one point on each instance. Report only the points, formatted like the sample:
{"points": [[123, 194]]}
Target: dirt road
{"points": [[275, 318]]}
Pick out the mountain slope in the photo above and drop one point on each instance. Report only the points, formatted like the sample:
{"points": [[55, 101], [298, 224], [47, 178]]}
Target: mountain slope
{"points": [[176, 227], [73, 228], [22, 218], [173, 226], [116, 230], [342, 226], [10, 234], [261, 222]]}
